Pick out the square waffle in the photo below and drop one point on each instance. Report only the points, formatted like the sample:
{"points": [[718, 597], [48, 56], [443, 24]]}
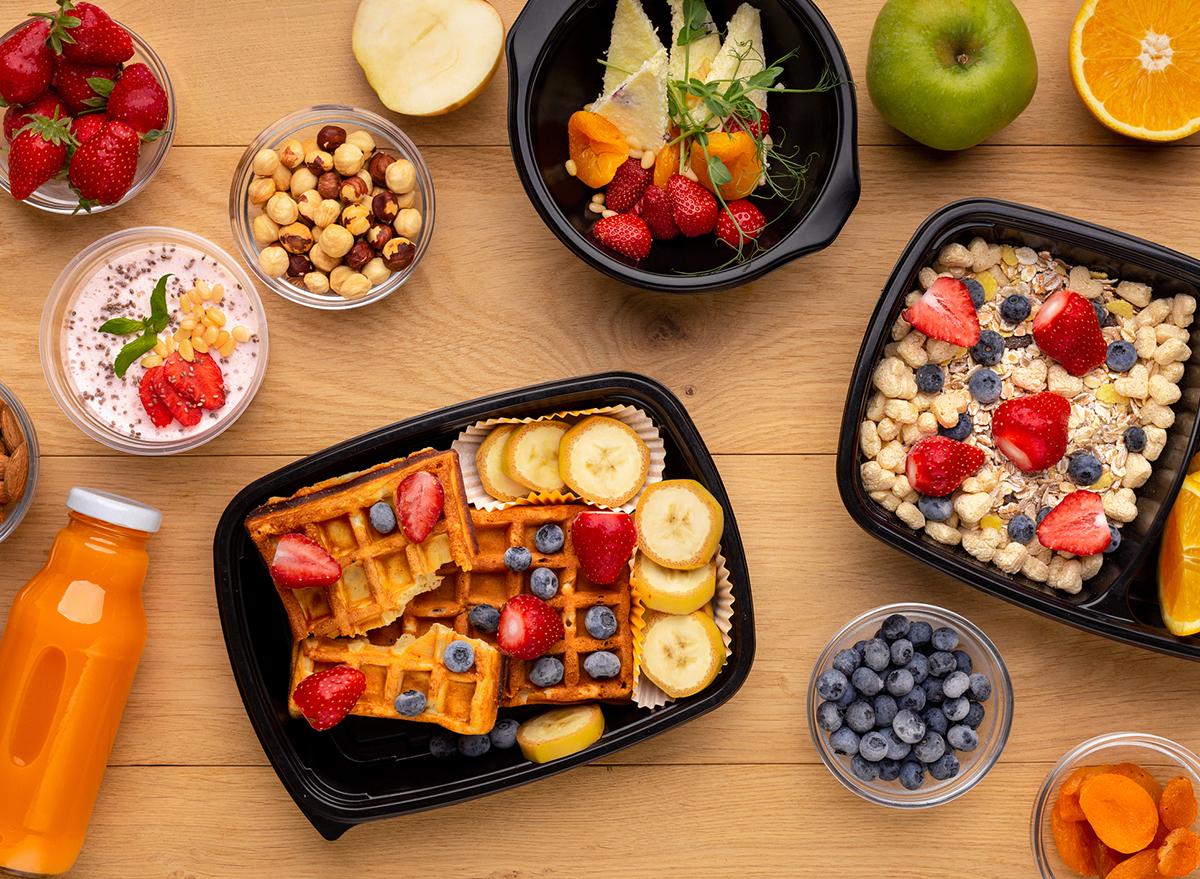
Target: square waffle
{"points": [[464, 702], [380, 572], [489, 581]]}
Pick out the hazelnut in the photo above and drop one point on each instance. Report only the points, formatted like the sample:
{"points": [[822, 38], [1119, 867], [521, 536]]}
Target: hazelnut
{"points": [[295, 238], [264, 229], [379, 234], [327, 212], [329, 184], [261, 189], [336, 240], [384, 207], [360, 254], [282, 209], [317, 282], [331, 137], [302, 181], [323, 260], [309, 146], [362, 140], [398, 254], [299, 265], [282, 178], [265, 162], [319, 162], [338, 275], [347, 159], [308, 202], [408, 223], [400, 176], [376, 271], [291, 154], [353, 188], [406, 199], [355, 286], [357, 219], [377, 168], [273, 261]]}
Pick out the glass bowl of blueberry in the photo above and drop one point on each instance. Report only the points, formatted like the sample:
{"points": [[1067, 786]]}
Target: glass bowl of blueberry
{"points": [[910, 705]]}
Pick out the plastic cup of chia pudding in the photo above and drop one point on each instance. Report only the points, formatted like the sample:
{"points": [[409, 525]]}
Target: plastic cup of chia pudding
{"points": [[114, 278]]}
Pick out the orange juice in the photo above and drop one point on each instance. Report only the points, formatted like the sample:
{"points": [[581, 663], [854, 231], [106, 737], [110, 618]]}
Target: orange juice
{"points": [[67, 658]]}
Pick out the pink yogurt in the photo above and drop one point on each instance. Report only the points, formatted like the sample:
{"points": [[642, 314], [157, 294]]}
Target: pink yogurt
{"points": [[122, 288]]}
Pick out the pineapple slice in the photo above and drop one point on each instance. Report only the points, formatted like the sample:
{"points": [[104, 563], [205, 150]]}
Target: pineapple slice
{"points": [[634, 41]]}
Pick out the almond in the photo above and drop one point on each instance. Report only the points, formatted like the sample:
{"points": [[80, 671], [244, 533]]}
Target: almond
{"points": [[17, 472], [4, 499], [3, 465], [10, 430]]}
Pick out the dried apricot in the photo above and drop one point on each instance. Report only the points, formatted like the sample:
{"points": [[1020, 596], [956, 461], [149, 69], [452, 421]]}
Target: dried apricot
{"points": [[597, 148], [1180, 853], [1143, 865], [1074, 841], [1068, 794], [1177, 807], [740, 155], [1105, 858], [1120, 811], [1136, 773]]}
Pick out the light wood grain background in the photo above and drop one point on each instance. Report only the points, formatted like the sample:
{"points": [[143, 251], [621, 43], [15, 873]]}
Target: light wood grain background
{"points": [[499, 303]]}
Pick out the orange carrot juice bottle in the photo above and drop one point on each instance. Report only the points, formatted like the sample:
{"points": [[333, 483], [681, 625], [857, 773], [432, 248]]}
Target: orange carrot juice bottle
{"points": [[67, 656]]}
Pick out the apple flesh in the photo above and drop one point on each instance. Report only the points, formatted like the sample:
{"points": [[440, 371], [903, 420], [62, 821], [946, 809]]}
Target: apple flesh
{"points": [[427, 57], [950, 73]]}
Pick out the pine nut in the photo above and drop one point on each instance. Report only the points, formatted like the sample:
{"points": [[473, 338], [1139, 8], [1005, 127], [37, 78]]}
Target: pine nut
{"points": [[241, 333], [210, 335], [188, 323], [217, 316], [161, 349], [181, 334], [199, 344], [194, 295], [218, 292], [185, 350], [648, 158], [151, 360], [222, 338], [205, 291], [636, 154], [691, 175], [608, 214], [171, 346], [596, 208], [598, 198], [227, 348], [572, 168], [633, 143]]}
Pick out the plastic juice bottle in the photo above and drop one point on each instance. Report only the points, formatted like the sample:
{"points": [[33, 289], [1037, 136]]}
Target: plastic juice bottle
{"points": [[67, 657]]}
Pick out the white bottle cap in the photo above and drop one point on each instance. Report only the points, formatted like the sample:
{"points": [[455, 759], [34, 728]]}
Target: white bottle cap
{"points": [[114, 509]]}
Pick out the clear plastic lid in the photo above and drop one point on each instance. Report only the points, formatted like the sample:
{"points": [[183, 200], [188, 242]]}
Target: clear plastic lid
{"points": [[114, 509]]}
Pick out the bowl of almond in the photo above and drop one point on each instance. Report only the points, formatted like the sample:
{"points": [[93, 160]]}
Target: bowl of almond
{"points": [[18, 462]]}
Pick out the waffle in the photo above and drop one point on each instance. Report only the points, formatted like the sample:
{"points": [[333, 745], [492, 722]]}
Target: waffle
{"points": [[464, 702], [380, 572], [491, 582]]}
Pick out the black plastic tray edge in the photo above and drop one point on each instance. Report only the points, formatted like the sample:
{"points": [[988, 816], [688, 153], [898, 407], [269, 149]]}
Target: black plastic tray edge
{"points": [[332, 821], [1101, 617], [539, 22]]}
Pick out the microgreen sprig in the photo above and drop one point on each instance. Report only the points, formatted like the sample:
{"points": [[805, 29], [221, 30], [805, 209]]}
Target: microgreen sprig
{"points": [[149, 327]]}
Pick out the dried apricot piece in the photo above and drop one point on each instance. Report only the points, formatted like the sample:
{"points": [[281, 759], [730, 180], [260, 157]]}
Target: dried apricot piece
{"points": [[1068, 794], [1136, 773], [1074, 841], [1120, 811], [1177, 807], [597, 148], [1143, 865], [1179, 854], [1105, 858], [740, 155]]}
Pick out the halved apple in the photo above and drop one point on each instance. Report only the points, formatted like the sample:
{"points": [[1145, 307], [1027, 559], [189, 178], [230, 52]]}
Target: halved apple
{"points": [[682, 653], [531, 455], [603, 460], [427, 57], [679, 523], [489, 462], [671, 590]]}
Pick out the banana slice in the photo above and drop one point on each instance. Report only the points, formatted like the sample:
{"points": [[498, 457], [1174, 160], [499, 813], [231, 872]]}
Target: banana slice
{"points": [[682, 653], [679, 523], [671, 590], [560, 732], [531, 456], [603, 460], [489, 461]]}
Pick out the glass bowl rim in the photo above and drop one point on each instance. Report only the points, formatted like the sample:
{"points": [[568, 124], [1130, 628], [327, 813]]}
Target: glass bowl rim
{"points": [[14, 517]]}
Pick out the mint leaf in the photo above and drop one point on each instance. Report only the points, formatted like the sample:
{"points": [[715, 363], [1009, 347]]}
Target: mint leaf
{"points": [[135, 349], [122, 326], [158, 305]]}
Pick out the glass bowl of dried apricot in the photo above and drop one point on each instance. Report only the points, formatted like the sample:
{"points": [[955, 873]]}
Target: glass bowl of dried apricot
{"points": [[1122, 804]]}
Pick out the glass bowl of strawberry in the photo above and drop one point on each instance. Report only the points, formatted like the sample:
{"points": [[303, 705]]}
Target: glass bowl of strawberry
{"points": [[98, 112], [153, 340]]}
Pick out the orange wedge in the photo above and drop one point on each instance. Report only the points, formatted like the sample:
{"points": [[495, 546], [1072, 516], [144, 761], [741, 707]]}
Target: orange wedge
{"points": [[1135, 64], [1179, 562]]}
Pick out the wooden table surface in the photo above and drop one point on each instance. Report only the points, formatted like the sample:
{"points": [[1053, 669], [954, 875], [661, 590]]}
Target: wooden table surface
{"points": [[499, 303]]}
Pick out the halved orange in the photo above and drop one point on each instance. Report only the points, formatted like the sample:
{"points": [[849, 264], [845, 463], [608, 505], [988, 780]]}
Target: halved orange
{"points": [[1179, 562], [1135, 64]]}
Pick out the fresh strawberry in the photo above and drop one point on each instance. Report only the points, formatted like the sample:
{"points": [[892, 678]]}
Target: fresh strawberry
{"points": [[26, 64], [626, 234], [693, 207], [420, 499], [326, 697], [656, 211], [48, 104], [139, 100], [184, 411], [946, 312], [1066, 328], [37, 154], [102, 170], [160, 415], [301, 563], [937, 465], [198, 381], [740, 223], [528, 627], [603, 540], [1032, 431], [1076, 525], [85, 32], [86, 127], [756, 128], [83, 86], [627, 186]]}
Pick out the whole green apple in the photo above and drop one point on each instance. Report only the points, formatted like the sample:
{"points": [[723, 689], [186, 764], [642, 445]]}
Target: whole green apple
{"points": [[950, 73]]}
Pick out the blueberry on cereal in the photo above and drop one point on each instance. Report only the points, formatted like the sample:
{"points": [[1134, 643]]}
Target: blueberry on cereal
{"points": [[1085, 469], [1042, 513], [1015, 308], [1021, 528], [976, 290], [1134, 439], [936, 509], [1101, 312], [960, 431], [1115, 534], [989, 349], [984, 386], [1122, 356], [930, 379]]}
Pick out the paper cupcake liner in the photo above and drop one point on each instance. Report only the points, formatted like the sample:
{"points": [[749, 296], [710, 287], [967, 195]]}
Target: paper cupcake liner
{"points": [[647, 694], [469, 441]]}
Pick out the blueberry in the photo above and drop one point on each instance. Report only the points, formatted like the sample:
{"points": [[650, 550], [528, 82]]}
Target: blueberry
{"points": [[485, 618], [383, 518], [956, 709], [860, 717], [912, 776], [944, 767], [1021, 528], [1135, 438], [989, 349], [602, 665], [410, 703], [963, 658], [844, 741], [543, 583], [1122, 356], [960, 431], [974, 716], [900, 682], [829, 716], [876, 654], [1015, 309], [981, 686], [474, 746], [976, 290], [930, 379], [546, 672], [443, 745], [941, 663], [935, 509], [851, 695], [458, 656], [846, 661], [944, 638], [866, 681], [1114, 539], [962, 738], [931, 746], [864, 769], [914, 699], [956, 684], [517, 558], [902, 652], [886, 709], [932, 688], [873, 746], [895, 626], [919, 633], [908, 726], [889, 769], [984, 386], [898, 749], [919, 666], [832, 684], [1042, 513], [935, 720], [549, 538], [1085, 469], [1101, 312], [504, 733], [600, 622]]}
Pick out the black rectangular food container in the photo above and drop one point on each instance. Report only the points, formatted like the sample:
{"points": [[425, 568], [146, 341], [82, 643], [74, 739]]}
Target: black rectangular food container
{"points": [[1121, 601], [365, 769]]}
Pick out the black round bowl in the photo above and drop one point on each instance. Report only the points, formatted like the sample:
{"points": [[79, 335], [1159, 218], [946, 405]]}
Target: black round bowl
{"points": [[553, 49]]}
